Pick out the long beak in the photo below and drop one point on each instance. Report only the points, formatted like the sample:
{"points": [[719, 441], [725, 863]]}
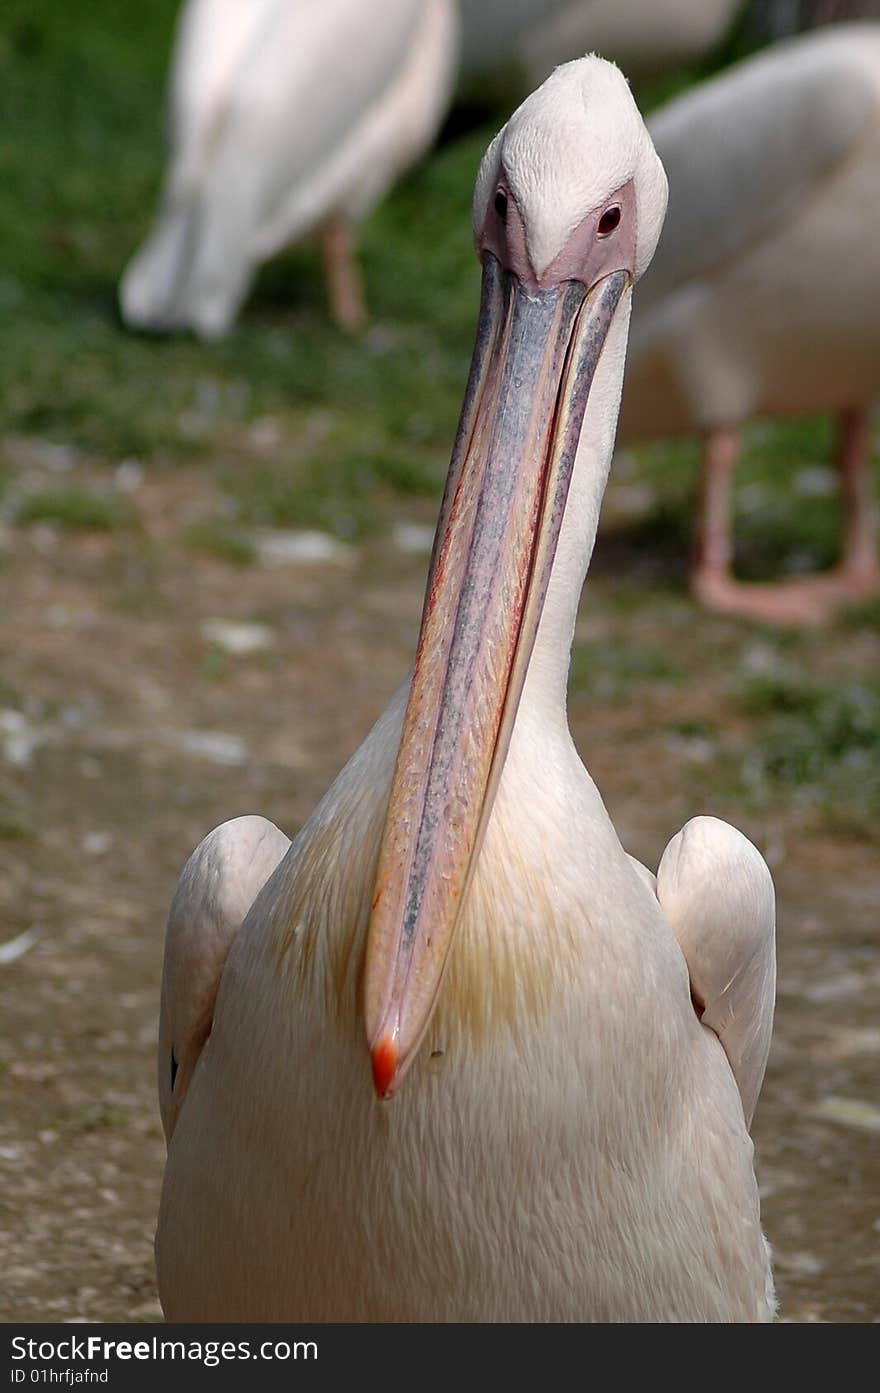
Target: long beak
{"points": [[535, 356]]}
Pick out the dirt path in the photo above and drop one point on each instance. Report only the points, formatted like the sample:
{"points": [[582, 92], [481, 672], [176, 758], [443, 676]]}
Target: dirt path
{"points": [[127, 730]]}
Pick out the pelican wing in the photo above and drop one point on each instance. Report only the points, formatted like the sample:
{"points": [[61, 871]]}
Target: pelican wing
{"points": [[212, 43], [217, 887], [717, 893], [744, 149], [640, 35], [297, 74], [319, 66]]}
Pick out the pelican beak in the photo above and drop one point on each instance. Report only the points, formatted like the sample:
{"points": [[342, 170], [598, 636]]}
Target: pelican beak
{"points": [[535, 356]]}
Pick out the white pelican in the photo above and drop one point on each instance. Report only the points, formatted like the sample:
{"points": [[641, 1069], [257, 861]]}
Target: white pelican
{"points": [[286, 119], [763, 297], [511, 42], [557, 1134], [643, 36]]}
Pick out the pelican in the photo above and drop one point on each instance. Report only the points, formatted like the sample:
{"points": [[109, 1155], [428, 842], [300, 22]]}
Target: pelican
{"points": [[512, 42], [286, 119], [466, 1059], [762, 300], [643, 36]]}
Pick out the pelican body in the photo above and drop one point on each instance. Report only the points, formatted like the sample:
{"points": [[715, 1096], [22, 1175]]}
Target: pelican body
{"points": [[285, 119], [643, 36], [508, 43], [468, 1060], [762, 299]]}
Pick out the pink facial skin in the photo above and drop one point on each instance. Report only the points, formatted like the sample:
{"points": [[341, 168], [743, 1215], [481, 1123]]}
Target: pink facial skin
{"points": [[589, 254]]}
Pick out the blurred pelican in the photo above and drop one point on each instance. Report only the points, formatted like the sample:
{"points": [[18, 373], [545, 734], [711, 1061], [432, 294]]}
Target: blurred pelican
{"points": [[763, 298], [508, 43], [287, 117], [566, 1051]]}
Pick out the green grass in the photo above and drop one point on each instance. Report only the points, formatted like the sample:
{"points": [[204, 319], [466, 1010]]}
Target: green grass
{"points": [[93, 1117], [223, 539], [864, 615], [817, 734], [346, 483], [14, 826], [82, 509], [608, 671], [215, 664], [788, 740]]}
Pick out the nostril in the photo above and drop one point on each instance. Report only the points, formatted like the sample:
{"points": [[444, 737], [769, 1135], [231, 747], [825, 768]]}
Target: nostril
{"points": [[501, 205], [609, 220]]}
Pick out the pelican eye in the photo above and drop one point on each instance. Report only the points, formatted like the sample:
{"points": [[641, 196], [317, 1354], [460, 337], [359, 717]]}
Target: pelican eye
{"points": [[609, 220], [173, 1070], [501, 205]]}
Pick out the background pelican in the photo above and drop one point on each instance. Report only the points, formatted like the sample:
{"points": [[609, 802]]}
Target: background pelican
{"points": [[571, 1139], [641, 36], [285, 119], [763, 297], [511, 43]]}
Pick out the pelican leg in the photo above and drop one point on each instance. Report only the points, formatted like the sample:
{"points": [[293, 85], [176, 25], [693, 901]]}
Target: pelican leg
{"points": [[342, 277], [712, 579], [716, 890], [859, 570], [809, 599], [712, 572]]}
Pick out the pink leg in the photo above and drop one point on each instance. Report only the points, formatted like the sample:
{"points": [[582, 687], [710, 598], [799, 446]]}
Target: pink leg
{"points": [[805, 600], [713, 562], [342, 277], [859, 570]]}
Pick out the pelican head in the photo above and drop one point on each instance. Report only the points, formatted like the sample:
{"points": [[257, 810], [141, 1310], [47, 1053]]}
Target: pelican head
{"points": [[568, 207]]}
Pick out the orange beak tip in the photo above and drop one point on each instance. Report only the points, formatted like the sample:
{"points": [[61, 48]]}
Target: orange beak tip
{"points": [[385, 1057]]}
